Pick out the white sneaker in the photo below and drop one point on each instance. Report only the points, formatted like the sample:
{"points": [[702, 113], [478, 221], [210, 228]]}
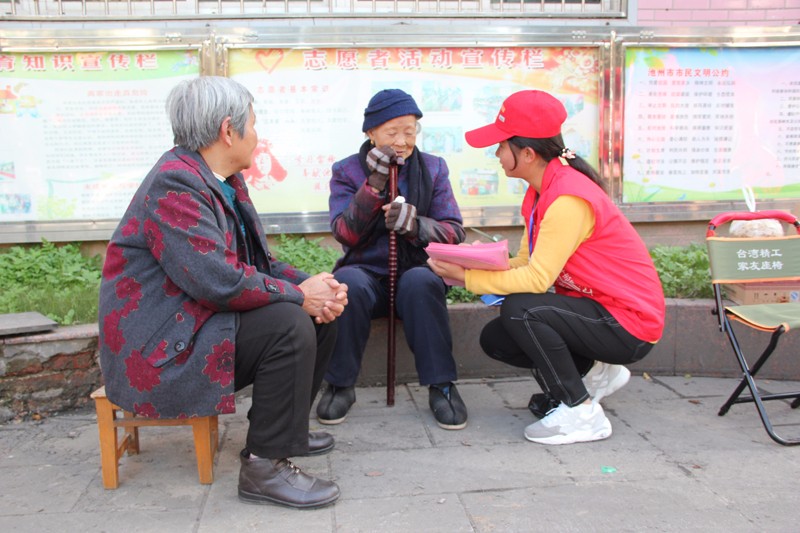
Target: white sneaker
{"points": [[604, 379], [565, 425]]}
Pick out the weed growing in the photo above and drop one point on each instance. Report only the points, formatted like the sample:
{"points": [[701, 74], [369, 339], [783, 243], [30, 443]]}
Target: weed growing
{"points": [[61, 283], [57, 281]]}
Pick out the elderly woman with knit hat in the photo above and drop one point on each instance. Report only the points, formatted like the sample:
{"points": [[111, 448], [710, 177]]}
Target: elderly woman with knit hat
{"points": [[361, 219], [608, 306]]}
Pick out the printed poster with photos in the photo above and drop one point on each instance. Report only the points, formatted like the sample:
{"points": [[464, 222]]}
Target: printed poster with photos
{"points": [[80, 130], [310, 108], [702, 123]]}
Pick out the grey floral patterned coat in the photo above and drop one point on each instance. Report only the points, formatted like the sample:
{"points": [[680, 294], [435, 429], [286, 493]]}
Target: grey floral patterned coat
{"points": [[178, 271]]}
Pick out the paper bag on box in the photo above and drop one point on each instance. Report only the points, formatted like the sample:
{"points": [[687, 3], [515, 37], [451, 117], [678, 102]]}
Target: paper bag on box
{"points": [[765, 227]]}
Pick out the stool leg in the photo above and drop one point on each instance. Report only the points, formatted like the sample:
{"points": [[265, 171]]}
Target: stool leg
{"points": [[214, 436], [108, 442], [205, 429], [132, 434]]}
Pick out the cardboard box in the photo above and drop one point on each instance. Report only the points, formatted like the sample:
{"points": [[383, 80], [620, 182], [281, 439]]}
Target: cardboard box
{"points": [[763, 293]]}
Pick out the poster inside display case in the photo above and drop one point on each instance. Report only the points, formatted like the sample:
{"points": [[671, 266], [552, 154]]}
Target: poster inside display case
{"points": [[80, 130], [702, 123], [310, 108]]}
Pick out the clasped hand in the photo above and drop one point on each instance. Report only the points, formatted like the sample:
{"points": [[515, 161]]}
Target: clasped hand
{"points": [[324, 297]]}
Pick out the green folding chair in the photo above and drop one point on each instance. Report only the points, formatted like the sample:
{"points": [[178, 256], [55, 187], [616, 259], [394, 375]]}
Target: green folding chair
{"points": [[755, 260]]}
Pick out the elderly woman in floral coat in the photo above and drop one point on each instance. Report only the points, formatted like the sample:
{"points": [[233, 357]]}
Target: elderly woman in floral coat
{"points": [[193, 306]]}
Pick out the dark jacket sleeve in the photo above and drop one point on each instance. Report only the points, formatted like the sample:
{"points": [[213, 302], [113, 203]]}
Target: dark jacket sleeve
{"points": [[354, 208], [443, 222]]}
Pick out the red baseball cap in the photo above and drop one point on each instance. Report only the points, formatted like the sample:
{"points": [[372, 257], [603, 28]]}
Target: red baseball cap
{"points": [[531, 114]]}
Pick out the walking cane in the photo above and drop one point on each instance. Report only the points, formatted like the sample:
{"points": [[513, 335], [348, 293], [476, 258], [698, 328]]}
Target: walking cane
{"points": [[390, 355]]}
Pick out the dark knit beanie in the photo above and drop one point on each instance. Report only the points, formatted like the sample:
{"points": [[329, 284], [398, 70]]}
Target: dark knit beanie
{"points": [[386, 105]]}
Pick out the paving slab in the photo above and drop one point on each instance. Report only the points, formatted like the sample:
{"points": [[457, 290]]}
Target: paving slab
{"points": [[28, 322], [671, 464]]}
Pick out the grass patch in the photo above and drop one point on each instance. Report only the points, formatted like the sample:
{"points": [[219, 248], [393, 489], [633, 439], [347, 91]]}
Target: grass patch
{"points": [[62, 284], [307, 255], [684, 270], [57, 281]]}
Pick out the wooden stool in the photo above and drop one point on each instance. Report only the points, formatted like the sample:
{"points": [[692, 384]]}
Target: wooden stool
{"points": [[205, 429]]}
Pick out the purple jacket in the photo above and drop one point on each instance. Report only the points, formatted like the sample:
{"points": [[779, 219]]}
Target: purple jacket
{"points": [[357, 218], [175, 278]]}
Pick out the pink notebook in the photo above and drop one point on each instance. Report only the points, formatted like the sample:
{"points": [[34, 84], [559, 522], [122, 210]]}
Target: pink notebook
{"points": [[480, 256]]}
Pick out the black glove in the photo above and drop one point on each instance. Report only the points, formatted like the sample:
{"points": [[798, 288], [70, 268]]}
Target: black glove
{"points": [[378, 160], [402, 218]]}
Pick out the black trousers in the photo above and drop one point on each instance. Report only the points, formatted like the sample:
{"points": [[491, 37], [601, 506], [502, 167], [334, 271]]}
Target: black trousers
{"points": [[560, 338], [421, 305], [283, 354]]}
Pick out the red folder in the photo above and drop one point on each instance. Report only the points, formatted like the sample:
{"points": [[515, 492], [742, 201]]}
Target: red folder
{"points": [[479, 256]]}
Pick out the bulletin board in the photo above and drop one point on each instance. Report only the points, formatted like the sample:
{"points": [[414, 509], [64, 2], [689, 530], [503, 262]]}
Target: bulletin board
{"points": [[80, 130], [703, 122], [677, 120], [310, 103]]}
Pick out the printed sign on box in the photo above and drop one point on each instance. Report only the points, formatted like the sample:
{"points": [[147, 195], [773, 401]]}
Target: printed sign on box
{"points": [[763, 293]]}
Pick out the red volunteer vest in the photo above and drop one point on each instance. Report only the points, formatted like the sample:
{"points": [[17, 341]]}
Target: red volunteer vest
{"points": [[613, 266]]}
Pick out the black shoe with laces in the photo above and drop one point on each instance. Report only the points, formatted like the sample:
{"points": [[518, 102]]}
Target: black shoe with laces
{"points": [[542, 403], [335, 403], [447, 406]]}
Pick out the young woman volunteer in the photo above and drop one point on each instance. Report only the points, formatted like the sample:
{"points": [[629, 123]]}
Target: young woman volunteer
{"points": [[608, 306]]}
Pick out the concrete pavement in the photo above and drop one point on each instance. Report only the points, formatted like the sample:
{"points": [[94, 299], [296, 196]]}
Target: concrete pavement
{"points": [[671, 464]]}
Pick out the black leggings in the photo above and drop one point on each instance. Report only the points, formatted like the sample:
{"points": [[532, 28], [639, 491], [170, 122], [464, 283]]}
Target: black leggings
{"points": [[559, 337]]}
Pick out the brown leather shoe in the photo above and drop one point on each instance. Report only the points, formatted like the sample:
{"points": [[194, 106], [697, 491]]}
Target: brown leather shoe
{"points": [[279, 481], [320, 442]]}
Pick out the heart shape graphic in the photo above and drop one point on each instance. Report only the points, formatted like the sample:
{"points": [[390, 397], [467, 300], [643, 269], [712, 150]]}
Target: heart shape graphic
{"points": [[269, 59]]}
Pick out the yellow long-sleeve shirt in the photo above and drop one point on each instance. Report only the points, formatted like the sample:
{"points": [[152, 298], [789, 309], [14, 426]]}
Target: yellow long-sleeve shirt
{"points": [[568, 222]]}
